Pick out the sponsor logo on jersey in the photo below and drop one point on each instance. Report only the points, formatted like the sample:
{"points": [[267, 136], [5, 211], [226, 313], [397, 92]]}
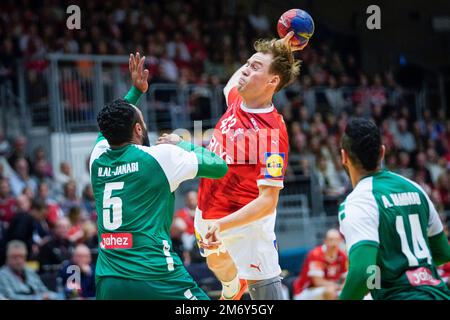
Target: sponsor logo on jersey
{"points": [[116, 241], [256, 266], [421, 277], [274, 164]]}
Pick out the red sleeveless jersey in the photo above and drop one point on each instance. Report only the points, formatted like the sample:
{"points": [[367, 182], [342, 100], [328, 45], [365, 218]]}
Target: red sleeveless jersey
{"points": [[254, 143]]}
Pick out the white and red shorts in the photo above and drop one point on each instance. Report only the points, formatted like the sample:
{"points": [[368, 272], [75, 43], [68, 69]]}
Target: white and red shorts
{"points": [[252, 247]]}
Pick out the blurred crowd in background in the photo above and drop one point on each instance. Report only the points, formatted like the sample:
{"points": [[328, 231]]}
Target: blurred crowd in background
{"points": [[52, 213]]}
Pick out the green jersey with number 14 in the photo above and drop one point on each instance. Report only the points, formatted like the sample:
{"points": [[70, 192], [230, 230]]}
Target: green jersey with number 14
{"points": [[395, 214], [133, 187]]}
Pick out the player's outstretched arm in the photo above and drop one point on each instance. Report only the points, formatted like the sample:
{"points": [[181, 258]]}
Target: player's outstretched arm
{"points": [[360, 259], [440, 248], [139, 77], [210, 165]]}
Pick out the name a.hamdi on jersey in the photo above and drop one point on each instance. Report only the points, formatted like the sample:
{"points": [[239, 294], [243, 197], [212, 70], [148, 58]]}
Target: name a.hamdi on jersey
{"points": [[401, 199], [119, 170]]}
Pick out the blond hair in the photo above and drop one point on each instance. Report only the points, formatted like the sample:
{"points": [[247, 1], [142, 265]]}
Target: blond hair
{"points": [[283, 64]]}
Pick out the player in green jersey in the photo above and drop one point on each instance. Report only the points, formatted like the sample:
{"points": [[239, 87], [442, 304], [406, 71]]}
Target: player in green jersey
{"points": [[134, 189], [393, 233]]}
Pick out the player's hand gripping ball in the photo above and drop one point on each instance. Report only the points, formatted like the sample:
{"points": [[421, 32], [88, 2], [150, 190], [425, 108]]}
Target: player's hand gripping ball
{"points": [[298, 21]]}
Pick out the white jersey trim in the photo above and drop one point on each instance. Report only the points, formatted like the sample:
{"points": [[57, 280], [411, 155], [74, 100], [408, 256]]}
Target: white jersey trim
{"points": [[270, 183], [178, 164], [100, 148], [259, 110], [361, 219]]}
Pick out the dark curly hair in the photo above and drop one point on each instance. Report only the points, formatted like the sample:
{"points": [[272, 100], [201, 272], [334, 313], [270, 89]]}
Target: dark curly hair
{"points": [[362, 141], [116, 121]]}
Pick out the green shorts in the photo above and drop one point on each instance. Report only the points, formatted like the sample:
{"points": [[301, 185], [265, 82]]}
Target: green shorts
{"points": [[180, 288], [418, 293]]}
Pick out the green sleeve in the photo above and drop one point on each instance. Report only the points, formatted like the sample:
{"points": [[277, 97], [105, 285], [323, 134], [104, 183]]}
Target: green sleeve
{"points": [[440, 248], [133, 95], [360, 259], [210, 165]]}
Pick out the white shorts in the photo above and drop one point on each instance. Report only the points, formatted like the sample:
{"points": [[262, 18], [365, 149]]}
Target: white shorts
{"points": [[252, 247]]}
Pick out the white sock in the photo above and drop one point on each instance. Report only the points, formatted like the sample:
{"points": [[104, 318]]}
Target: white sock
{"points": [[231, 288]]}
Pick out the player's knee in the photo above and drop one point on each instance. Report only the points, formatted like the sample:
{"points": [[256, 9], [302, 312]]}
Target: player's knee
{"points": [[221, 262], [215, 262]]}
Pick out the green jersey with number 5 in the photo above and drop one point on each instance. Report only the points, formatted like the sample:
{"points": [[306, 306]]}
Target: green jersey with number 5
{"points": [[133, 187], [394, 214]]}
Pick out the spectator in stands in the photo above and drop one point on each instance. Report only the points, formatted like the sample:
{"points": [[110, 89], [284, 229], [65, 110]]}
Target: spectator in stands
{"points": [[183, 226], [19, 282], [5, 147], [19, 151], [8, 204], [404, 138], [299, 137], [76, 232], [40, 157], [443, 189], [28, 192], [84, 286], [54, 211], [2, 170], [40, 174], [404, 165], [378, 93], [88, 203], [361, 96], [64, 175], [259, 21], [90, 237], [331, 176], [323, 271], [177, 45], [435, 165], [168, 69], [70, 198], [85, 178], [21, 178], [334, 96], [421, 168], [29, 225], [57, 249], [3, 240]]}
